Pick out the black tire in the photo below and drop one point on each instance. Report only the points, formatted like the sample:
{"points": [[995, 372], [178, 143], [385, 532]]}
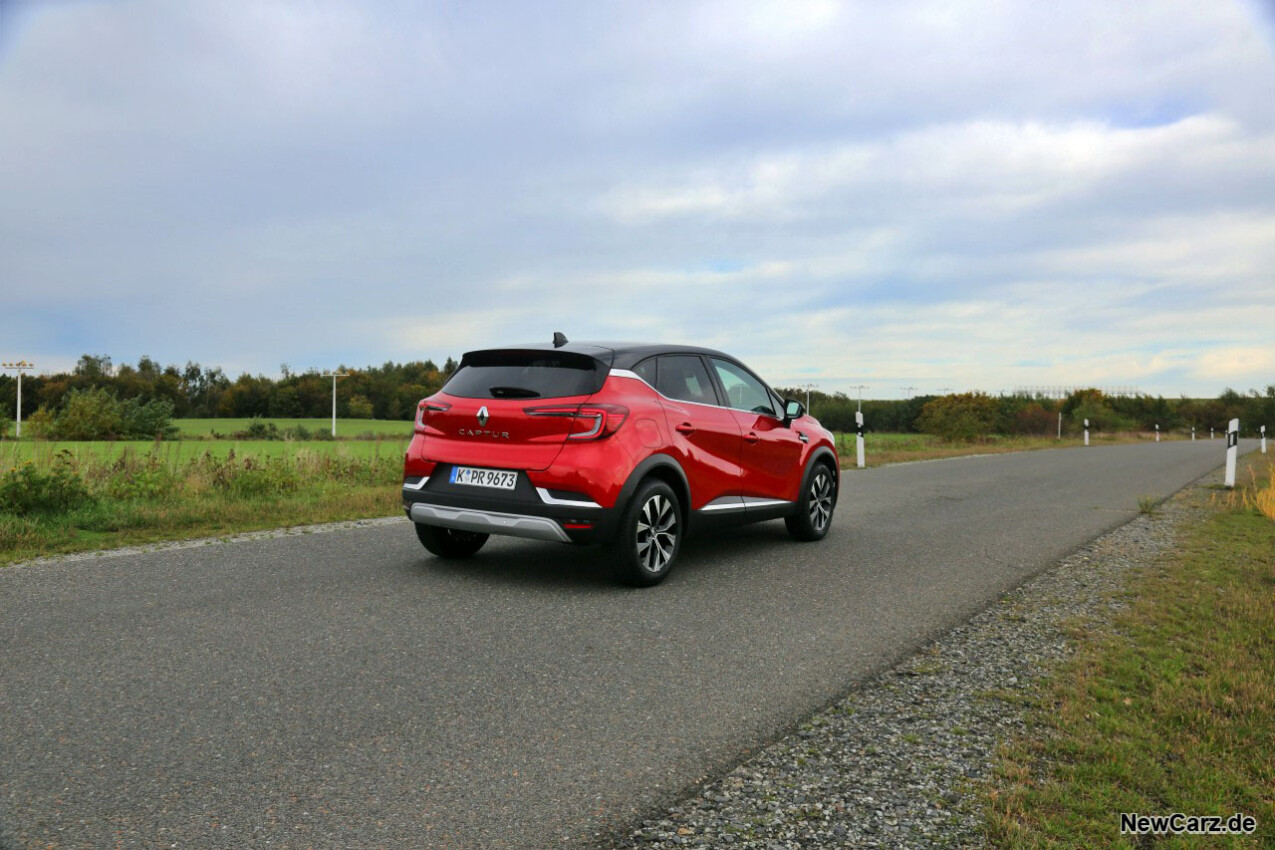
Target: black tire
{"points": [[450, 542], [649, 537], [814, 509]]}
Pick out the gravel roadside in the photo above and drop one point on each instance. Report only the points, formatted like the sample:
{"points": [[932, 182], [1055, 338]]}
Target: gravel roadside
{"points": [[893, 763]]}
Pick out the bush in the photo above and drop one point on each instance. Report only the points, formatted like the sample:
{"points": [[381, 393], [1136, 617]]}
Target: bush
{"points": [[297, 432], [259, 429], [1095, 406], [152, 419], [92, 414], [42, 425], [26, 490], [96, 414], [964, 416], [1035, 419]]}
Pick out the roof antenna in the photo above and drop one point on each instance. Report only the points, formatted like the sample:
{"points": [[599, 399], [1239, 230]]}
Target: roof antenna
{"points": [[559, 339]]}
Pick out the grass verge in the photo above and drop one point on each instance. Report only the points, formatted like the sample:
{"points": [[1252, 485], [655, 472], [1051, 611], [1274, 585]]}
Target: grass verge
{"points": [[1170, 710], [75, 504]]}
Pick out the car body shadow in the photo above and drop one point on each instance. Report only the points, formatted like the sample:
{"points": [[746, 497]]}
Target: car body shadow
{"points": [[536, 564]]}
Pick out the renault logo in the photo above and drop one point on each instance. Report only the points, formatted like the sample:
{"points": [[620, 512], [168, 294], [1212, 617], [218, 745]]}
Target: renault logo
{"points": [[482, 415]]}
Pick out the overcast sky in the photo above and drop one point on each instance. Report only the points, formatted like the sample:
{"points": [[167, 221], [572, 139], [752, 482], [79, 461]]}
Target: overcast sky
{"points": [[933, 195]]}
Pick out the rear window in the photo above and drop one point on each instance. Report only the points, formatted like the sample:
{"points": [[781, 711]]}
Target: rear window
{"points": [[526, 374]]}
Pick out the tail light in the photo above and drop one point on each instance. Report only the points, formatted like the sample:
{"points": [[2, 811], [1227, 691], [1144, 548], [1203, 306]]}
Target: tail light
{"points": [[589, 421], [428, 408]]}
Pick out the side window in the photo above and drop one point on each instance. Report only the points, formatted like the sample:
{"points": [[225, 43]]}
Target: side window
{"points": [[683, 377], [646, 370], [743, 391]]}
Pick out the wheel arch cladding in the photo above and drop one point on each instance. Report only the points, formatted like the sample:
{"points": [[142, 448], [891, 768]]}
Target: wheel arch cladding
{"points": [[823, 455], [663, 468]]}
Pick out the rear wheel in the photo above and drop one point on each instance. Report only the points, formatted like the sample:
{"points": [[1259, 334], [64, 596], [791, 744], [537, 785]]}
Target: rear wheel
{"points": [[814, 510], [649, 537], [450, 542]]}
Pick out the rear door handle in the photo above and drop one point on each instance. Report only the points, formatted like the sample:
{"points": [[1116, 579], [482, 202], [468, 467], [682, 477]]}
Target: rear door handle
{"points": [[752, 437], [685, 428]]}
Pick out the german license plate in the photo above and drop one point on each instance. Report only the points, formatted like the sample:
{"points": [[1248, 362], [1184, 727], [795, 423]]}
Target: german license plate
{"points": [[470, 476]]}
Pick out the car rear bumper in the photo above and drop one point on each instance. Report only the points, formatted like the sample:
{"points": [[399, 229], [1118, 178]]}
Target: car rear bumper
{"points": [[526, 511], [489, 522]]}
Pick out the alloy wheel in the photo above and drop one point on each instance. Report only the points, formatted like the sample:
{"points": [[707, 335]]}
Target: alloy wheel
{"points": [[656, 533], [820, 500]]}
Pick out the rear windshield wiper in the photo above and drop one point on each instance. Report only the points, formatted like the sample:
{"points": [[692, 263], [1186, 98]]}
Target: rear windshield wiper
{"points": [[512, 392]]}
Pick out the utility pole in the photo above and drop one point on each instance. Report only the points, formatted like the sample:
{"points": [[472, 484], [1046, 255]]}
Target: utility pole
{"points": [[334, 376], [907, 390], [19, 367], [808, 388], [861, 388]]}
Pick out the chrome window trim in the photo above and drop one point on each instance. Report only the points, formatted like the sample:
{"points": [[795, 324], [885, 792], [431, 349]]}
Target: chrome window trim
{"points": [[628, 373]]}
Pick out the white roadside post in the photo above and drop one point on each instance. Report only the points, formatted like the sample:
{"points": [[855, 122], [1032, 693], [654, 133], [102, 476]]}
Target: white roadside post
{"points": [[858, 426], [1086, 432], [1263, 439], [1210, 432], [19, 367], [1232, 450], [1157, 432], [334, 376], [858, 438], [1193, 433], [1060, 424]]}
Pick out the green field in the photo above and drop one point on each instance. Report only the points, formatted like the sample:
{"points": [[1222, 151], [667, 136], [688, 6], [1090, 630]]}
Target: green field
{"points": [[173, 453], [348, 428]]}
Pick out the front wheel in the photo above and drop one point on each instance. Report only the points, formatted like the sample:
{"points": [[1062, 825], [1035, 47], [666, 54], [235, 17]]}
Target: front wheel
{"points": [[814, 510], [649, 536], [450, 542]]}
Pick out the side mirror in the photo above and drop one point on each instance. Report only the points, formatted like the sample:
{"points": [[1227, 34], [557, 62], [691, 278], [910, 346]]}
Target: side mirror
{"points": [[793, 409]]}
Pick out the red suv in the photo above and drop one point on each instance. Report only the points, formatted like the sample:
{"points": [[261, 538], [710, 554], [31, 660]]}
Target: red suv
{"points": [[625, 445]]}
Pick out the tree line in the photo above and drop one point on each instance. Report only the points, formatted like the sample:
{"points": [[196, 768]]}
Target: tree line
{"points": [[391, 391], [963, 416]]}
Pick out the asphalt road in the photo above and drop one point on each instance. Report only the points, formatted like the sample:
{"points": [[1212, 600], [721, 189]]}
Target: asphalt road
{"points": [[347, 690]]}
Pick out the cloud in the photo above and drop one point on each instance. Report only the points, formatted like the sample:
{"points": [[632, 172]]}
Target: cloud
{"points": [[892, 193]]}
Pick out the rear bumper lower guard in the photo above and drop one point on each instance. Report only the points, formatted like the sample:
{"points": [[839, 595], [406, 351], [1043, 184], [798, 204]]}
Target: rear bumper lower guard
{"points": [[489, 522]]}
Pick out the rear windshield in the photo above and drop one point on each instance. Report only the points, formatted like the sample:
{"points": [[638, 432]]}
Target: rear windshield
{"points": [[526, 374]]}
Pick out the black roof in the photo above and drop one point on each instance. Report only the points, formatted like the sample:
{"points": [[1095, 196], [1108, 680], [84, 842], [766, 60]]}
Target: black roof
{"points": [[619, 355]]}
